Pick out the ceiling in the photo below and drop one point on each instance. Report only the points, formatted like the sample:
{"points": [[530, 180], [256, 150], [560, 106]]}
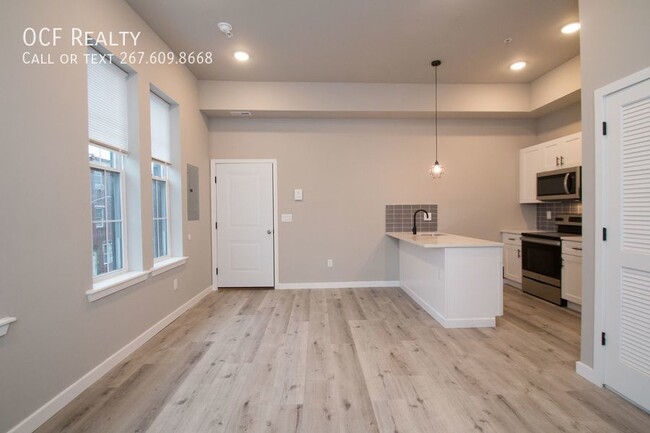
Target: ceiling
{"points": [[369, 41]]}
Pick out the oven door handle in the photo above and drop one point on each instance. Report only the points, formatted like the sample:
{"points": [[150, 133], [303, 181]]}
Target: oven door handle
{"points": [[541, 241]]}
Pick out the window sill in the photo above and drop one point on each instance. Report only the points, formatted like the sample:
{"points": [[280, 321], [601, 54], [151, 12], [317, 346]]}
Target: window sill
{"points": [[167, 264], [109, 286], [4, 325]]}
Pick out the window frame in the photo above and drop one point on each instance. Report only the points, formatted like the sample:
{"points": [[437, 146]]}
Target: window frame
{"points": [[122, 176], [164, 179]]}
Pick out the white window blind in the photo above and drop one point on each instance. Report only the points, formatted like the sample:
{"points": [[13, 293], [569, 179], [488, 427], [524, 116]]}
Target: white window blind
{"points": [[160, 129], [107, 104]]}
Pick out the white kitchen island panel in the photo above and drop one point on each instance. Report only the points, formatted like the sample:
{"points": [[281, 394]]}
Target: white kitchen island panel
{"points": [[460, 284]]}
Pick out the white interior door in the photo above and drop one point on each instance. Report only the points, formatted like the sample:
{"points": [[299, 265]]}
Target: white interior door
{"points": [[627, 249], [245, 234]]}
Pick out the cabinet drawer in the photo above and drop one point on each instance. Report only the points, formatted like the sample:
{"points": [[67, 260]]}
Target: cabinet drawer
{"points": [[572, 248], [511, 238]]}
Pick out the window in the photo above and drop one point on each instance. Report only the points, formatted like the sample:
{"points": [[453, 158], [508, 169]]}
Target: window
{"points": [[106, 195], [107, 149], [160, 153], [160, 210]]}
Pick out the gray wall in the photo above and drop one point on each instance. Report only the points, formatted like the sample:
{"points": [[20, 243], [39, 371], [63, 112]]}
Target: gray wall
{"points": [[613, 44], [559, 123], [45, 233], [350, 169]]}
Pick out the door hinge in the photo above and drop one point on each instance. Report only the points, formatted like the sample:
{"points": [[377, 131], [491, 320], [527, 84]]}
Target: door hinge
{"points": [[215, 179], [604, 128], [217, 271], [604, 233], [216, 225], [603, 338]]}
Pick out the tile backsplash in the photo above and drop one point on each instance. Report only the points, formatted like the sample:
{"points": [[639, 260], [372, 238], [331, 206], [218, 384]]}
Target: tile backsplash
{"points": [[399, 217], [556, 208]]}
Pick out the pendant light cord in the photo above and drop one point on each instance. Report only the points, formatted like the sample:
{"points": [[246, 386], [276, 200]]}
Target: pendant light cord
{"points": [[436, 108]]}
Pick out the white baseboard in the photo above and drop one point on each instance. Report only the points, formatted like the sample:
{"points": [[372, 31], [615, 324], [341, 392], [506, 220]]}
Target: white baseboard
{"points": [[472, 322], [511, 283], [337, 285], [49, 409], [588, 373]]}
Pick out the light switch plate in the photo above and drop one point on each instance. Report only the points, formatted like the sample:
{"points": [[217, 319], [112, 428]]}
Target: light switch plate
{"points": [[297, 194], [286, 217]]}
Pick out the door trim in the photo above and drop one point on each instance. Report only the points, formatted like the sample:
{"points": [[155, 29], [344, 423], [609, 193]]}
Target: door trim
{"points": [[600, 221], [213, 213]]}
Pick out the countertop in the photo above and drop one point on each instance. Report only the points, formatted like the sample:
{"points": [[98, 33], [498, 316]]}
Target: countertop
{"points": [[442, 240]]}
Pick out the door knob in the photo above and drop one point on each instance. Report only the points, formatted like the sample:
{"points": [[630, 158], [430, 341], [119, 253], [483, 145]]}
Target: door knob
{"points": [[268, 232]]}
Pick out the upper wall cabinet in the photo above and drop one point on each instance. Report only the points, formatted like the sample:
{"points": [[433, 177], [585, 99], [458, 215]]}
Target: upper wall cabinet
{"points": [[531, 162], [563, 152], [551, 155]]}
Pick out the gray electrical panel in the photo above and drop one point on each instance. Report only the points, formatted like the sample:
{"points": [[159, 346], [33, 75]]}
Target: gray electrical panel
{"points": [[192, 193]]}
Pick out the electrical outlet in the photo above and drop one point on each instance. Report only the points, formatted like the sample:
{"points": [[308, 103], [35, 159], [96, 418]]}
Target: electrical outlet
{"points": [[548, 215], [175, 283], [286, 217], [330, 263], [427, 217]]}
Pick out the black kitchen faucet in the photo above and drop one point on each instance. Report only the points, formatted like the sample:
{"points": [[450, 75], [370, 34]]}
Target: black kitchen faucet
{"points": [[415, 230]]}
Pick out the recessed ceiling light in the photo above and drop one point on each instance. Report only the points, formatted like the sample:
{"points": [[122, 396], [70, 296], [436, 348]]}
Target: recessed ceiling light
{"points": [[571, 28], [518, 66], [242, 56]]}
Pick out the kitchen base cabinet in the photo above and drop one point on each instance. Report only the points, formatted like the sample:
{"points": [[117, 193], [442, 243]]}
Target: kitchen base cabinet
{"points": [[511, 256], [572, 272], [457, 280]]}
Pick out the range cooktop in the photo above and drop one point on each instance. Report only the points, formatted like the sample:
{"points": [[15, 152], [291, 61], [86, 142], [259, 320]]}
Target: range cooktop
{"points": [[551, 235]]}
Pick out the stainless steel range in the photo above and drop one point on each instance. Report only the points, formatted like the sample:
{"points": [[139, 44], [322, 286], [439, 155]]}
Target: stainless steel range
{"points": [[542, 258]]}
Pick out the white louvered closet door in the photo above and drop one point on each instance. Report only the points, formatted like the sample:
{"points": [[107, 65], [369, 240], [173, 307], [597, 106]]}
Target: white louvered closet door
{"points": [[627, 168]]}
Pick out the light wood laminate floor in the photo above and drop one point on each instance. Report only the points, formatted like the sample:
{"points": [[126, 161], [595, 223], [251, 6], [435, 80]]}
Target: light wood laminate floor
{"points": [[357, 360]]}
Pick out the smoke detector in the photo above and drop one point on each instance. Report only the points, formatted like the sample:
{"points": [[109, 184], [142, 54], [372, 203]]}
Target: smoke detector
{"points": [[226, 29]]}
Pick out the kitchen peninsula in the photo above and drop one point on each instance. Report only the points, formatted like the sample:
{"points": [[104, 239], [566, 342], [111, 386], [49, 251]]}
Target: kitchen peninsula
{"points": [[456, 279]]}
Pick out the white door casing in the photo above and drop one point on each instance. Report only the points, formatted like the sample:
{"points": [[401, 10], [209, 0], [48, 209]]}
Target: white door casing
{"points": [[626, 251], [245, 226]]}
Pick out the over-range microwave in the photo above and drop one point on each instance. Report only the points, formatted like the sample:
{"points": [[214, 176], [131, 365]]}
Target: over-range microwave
{"points": [[562, 184]]}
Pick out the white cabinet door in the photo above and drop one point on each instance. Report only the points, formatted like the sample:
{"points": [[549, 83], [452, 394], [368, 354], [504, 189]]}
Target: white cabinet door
{"points": [[512, 262], [563, 153], [571, 150], [572, 278], [552, 154], [530, 163]]}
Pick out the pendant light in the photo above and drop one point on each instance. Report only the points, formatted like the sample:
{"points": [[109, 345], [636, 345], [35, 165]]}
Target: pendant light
{"points": [[436, 171]]}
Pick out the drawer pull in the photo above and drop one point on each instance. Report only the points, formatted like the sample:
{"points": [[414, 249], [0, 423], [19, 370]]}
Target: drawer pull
{"points": [[512, 239], [577, 249]]}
